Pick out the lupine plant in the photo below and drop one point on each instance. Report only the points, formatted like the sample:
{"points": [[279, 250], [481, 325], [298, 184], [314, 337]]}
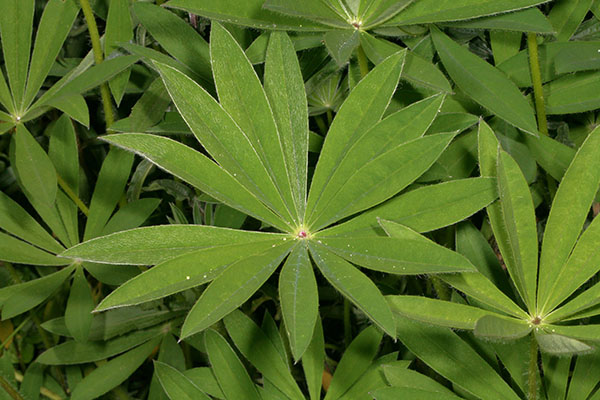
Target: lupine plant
{"points": [[279, 199]]}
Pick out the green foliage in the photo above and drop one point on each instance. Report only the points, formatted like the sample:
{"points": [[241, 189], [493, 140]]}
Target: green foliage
{"points": [[273, 199]]}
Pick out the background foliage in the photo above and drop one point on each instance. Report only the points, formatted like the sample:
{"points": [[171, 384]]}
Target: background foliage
{"points": [[273, 199]]}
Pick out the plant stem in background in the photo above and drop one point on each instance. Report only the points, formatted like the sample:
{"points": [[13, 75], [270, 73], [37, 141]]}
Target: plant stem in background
{"points": [[67, 189], [536, 78], [98, 58], [533, 369]]}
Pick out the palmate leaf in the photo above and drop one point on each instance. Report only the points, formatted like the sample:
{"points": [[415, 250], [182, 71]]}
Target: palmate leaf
{"points": [[256, 171]]}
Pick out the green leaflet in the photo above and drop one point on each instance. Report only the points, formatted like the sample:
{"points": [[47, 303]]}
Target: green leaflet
{"points": [[579, 56], [405, 252], [155, 244], [326, 13], [242, 96], [176, 385], [505, 44], [550, 154], [178, 38], [568, 213], [498, 328], [558, 345], [426, 208], [78, 313], [36, 171], [392, 393], [299, 298], [355, 286], [119, 29], [73, 352], [529, 20], [198, 170], [372, 379], [354, 362], [436, 312], [248, 13], [363, 108], [453, 358], [486, 85], [131, 215], [396, 130], [228, 369], [16, 26], [259, 350], [16, 221], [233, 287], [428, 11], [566, 15], [580, 332], [17, 299], [417, 70], [313, 362], [380, 178], [341, 44], [55, 24], [111, 374], [519, 219], [183, 272], [573, 93], [16, 251], [284, 87], [223, 138], [110, 185], [401, 376]]}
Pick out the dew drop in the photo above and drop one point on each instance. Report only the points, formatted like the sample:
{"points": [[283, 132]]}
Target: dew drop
{"points": [[187, 277]]}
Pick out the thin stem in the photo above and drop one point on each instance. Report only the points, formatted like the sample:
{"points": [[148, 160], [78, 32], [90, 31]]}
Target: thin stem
{"points": [[72, 195], [533, 368], [347, 323], [363, 63], [8, 388], [536, 78], [13, 333], [98, 58]]}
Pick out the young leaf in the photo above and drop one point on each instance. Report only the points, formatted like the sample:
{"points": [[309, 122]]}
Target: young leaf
{"points": [[228, 369], [78, 313], [363, 108], [232, 288], [355, 286], [436, 312], [176, 385], [284, 87], [259, 350], [568, 214], [299, 297], [354, 362], [486, 85], [16, 24], [113, 373], [519, 219]]}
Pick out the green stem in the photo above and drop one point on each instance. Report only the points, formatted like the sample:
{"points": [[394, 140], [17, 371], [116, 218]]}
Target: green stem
{"points": [[533, 369], [536, 78], [13, 333], [441, 289], [347, 323], [363, 63], [9, 389], [72, 195], [98, 58]]}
